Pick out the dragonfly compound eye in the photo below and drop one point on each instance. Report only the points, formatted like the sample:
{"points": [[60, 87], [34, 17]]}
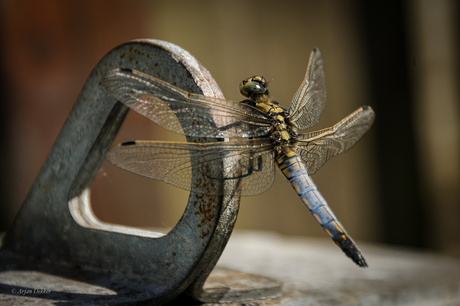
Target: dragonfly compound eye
{"points": [[253, 86]]}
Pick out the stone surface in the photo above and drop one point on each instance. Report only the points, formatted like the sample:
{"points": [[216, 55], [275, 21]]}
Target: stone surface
{"points": [[312, 271], [315, 272]]}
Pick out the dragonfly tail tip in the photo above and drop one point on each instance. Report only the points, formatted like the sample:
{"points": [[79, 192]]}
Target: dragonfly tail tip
{"points": [[360, 261]]}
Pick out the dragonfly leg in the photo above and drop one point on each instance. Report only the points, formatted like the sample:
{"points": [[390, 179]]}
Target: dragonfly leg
{"points": [[250, 170]]}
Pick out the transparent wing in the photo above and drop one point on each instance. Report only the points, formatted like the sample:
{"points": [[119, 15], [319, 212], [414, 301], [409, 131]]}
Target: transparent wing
{"points": [[171, 162], [310, 99], [316, 148], [183, 112]]}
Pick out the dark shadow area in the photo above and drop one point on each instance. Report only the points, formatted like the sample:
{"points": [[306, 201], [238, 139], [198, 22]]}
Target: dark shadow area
{"points": [[5, 166], [385, 40], [69, 285]]}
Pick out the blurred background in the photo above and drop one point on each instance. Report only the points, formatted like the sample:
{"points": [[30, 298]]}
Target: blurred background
{"points": [[399, 185]]}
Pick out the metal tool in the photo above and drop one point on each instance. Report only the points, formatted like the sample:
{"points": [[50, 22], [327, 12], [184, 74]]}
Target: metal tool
{"points": [[56, 232]]}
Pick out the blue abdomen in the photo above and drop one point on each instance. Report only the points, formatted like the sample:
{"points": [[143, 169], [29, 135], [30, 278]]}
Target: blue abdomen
{"points": [[295, 171]]}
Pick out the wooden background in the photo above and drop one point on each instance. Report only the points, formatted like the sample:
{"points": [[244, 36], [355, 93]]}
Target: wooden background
{"points": [[399, 185]]}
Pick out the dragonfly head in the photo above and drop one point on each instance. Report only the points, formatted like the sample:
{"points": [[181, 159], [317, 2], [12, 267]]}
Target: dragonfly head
{"points": [[254, 87]]}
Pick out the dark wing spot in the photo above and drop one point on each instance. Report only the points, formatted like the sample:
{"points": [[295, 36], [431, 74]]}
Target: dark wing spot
{"points": [[128, 143]]}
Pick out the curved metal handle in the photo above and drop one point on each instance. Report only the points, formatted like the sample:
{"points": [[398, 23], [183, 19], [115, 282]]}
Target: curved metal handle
{"points": [[56, 223]]}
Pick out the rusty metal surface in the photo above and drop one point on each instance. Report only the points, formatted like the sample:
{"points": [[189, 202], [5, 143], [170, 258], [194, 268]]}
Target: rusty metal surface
{"points": [[56, 233]]}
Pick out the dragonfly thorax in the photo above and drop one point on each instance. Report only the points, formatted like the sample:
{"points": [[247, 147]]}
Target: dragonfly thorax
{"points": [[283, 136], [255, 88], [283, 132]]}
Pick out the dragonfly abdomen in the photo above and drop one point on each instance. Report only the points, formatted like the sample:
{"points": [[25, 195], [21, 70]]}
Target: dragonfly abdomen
{"points": [[295, 171]]}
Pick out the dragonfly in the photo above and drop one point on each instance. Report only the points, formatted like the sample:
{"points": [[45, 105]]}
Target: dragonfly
{"points": [[257, 132]]}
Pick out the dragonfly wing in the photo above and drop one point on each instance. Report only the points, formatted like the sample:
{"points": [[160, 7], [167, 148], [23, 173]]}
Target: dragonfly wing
{"points": [[260, 167], [172, 162], [184, 112], [310, 99], [316, 148]]}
